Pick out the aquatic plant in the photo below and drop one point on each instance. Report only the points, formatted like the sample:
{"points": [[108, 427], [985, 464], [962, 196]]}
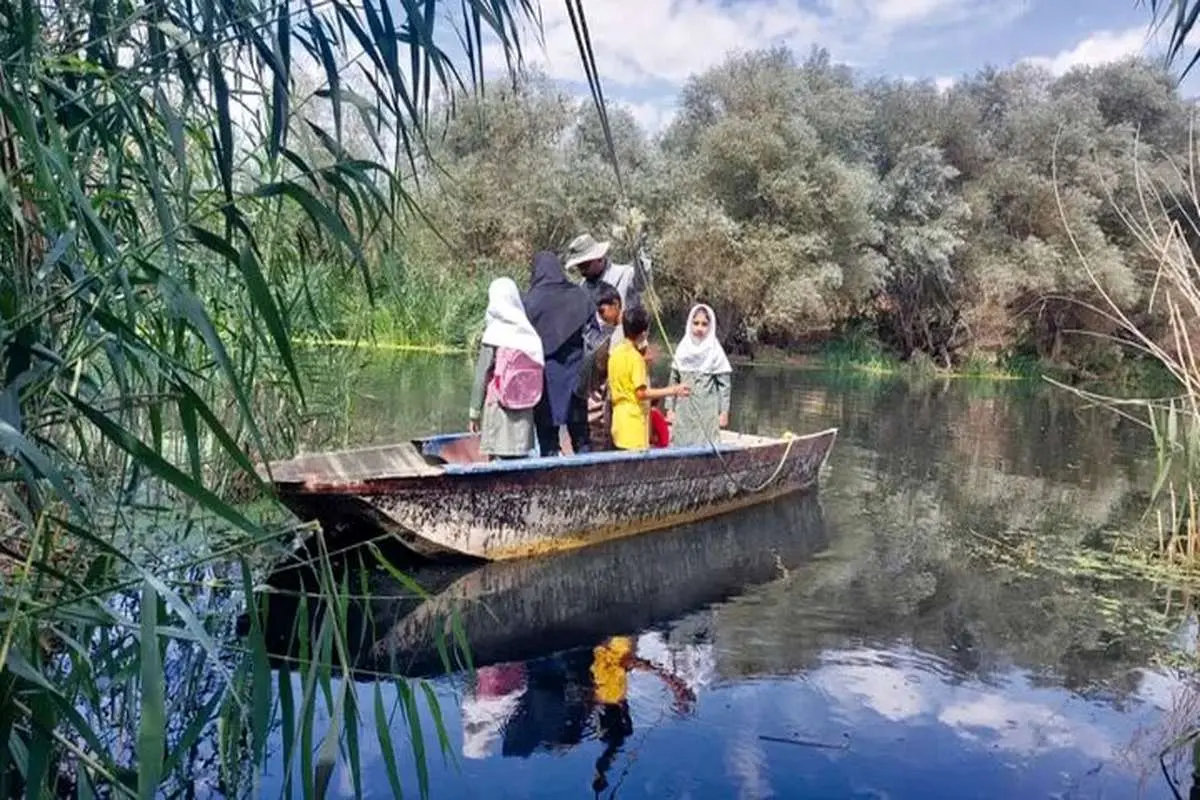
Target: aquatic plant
{"points": [[150, 154], [1161, 220]]}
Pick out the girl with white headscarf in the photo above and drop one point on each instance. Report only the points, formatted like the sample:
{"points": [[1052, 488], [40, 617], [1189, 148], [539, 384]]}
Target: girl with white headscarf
{"points": [[504, 432], [700, 361]]}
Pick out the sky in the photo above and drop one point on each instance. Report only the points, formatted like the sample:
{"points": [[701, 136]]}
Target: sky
{"points": [[646, 49]]}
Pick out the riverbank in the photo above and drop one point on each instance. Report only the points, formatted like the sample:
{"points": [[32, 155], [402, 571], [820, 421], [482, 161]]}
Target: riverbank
{"points": [[1133, 378]]}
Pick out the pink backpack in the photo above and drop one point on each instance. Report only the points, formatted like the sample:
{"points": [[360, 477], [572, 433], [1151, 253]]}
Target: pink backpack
{"points": [[516, 380]]}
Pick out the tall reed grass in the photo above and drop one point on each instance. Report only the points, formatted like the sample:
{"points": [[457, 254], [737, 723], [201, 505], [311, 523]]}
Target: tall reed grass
{"points": [[1163, 219], [415, 305], [155, 226]]}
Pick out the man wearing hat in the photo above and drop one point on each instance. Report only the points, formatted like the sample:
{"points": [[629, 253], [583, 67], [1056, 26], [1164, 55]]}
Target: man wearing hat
{"points": [[591, 258]]}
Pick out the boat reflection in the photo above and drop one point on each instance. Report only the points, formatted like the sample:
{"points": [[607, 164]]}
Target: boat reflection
{"points": [[553, 641], [522, 610]]}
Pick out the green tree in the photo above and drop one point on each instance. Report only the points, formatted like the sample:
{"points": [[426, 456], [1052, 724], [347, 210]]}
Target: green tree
{"points": [[923, 226], [782, 194], [797, 210]]}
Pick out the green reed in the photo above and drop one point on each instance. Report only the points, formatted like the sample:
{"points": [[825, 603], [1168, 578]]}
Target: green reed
{"points": [[158, 219]]}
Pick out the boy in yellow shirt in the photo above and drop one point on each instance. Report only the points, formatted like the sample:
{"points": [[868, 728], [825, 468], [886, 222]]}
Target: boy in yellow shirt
{"points": [[629, 385]]}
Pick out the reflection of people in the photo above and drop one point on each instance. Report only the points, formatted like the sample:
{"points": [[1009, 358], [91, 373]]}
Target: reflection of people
{"points": [[487, 709], [612, 662], [693, 661], [613, 727], [553, 712], [552, 703]]}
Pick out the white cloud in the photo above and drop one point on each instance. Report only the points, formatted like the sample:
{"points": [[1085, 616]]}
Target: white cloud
{"points": [[1100, 47], [944, 83], [663, 42], [653, 117], [653, 46], [908, 687], [911, 10], [1025, 728], [882, 688]]}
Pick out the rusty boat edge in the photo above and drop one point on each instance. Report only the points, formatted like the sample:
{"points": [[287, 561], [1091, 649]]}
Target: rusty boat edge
{"points": [[441, 499]]}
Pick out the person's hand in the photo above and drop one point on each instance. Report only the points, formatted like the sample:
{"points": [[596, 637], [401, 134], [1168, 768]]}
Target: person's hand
{"points": [[670, 417], [473, 426], [723, 420], [683, 390]]}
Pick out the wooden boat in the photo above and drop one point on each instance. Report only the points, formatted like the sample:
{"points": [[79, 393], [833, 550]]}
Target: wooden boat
{"points": [[529, 609], [442, 499]]}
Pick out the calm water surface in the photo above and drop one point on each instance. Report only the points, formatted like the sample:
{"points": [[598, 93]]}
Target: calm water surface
{"points": [[862, 643]]}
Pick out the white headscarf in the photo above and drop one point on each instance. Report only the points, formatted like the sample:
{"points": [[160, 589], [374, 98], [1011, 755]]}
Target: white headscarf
{"points": [[506, 324], [694, 664], [701, 355]]}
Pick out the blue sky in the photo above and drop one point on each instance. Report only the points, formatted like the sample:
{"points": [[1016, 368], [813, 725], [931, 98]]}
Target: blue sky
{"points": [[645, 49]]}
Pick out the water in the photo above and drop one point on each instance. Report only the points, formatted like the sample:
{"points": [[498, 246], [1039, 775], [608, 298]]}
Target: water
{"points": [[862, 643]]}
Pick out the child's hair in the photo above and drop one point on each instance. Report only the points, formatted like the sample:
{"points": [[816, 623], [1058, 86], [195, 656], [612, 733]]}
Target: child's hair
{"points": [[607, 295], [701, 311], [635, 322]]}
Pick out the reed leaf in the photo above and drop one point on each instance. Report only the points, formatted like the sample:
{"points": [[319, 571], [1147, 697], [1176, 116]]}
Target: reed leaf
{"points": [[1181, 17], [156, 245], [153, 725], [384, 734]]}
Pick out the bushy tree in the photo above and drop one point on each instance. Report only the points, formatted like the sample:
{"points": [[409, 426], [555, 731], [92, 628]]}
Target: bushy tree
{"points": [[923, 223], [796, 199], [801, 210]]}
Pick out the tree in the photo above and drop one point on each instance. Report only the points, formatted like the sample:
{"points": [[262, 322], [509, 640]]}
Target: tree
{"points": [[922, 229], [797, 200], [797, 209]]}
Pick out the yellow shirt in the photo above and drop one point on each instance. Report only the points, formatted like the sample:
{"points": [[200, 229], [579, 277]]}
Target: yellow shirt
{"points": [[610, 676], [630, 418]]}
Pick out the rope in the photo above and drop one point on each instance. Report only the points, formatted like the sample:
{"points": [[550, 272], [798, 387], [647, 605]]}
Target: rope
{"points": [[584, 41], [587, 56]]}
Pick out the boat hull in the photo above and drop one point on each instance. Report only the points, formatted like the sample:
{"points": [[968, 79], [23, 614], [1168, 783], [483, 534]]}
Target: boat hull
{"points": [[515, 509]]}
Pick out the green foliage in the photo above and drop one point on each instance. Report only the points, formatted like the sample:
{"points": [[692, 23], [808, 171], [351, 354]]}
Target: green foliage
{"points": [[924, 223], [414, 305], [795, 198], [166, 186]]}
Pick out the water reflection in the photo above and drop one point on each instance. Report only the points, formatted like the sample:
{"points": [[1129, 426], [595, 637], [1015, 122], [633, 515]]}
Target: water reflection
{"points": [[554, 703], [554, 642], [520, 610], [865, 645]]}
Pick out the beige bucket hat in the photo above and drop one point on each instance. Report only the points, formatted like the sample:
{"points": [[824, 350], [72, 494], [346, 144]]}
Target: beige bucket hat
{"points": [[584, 248]]}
